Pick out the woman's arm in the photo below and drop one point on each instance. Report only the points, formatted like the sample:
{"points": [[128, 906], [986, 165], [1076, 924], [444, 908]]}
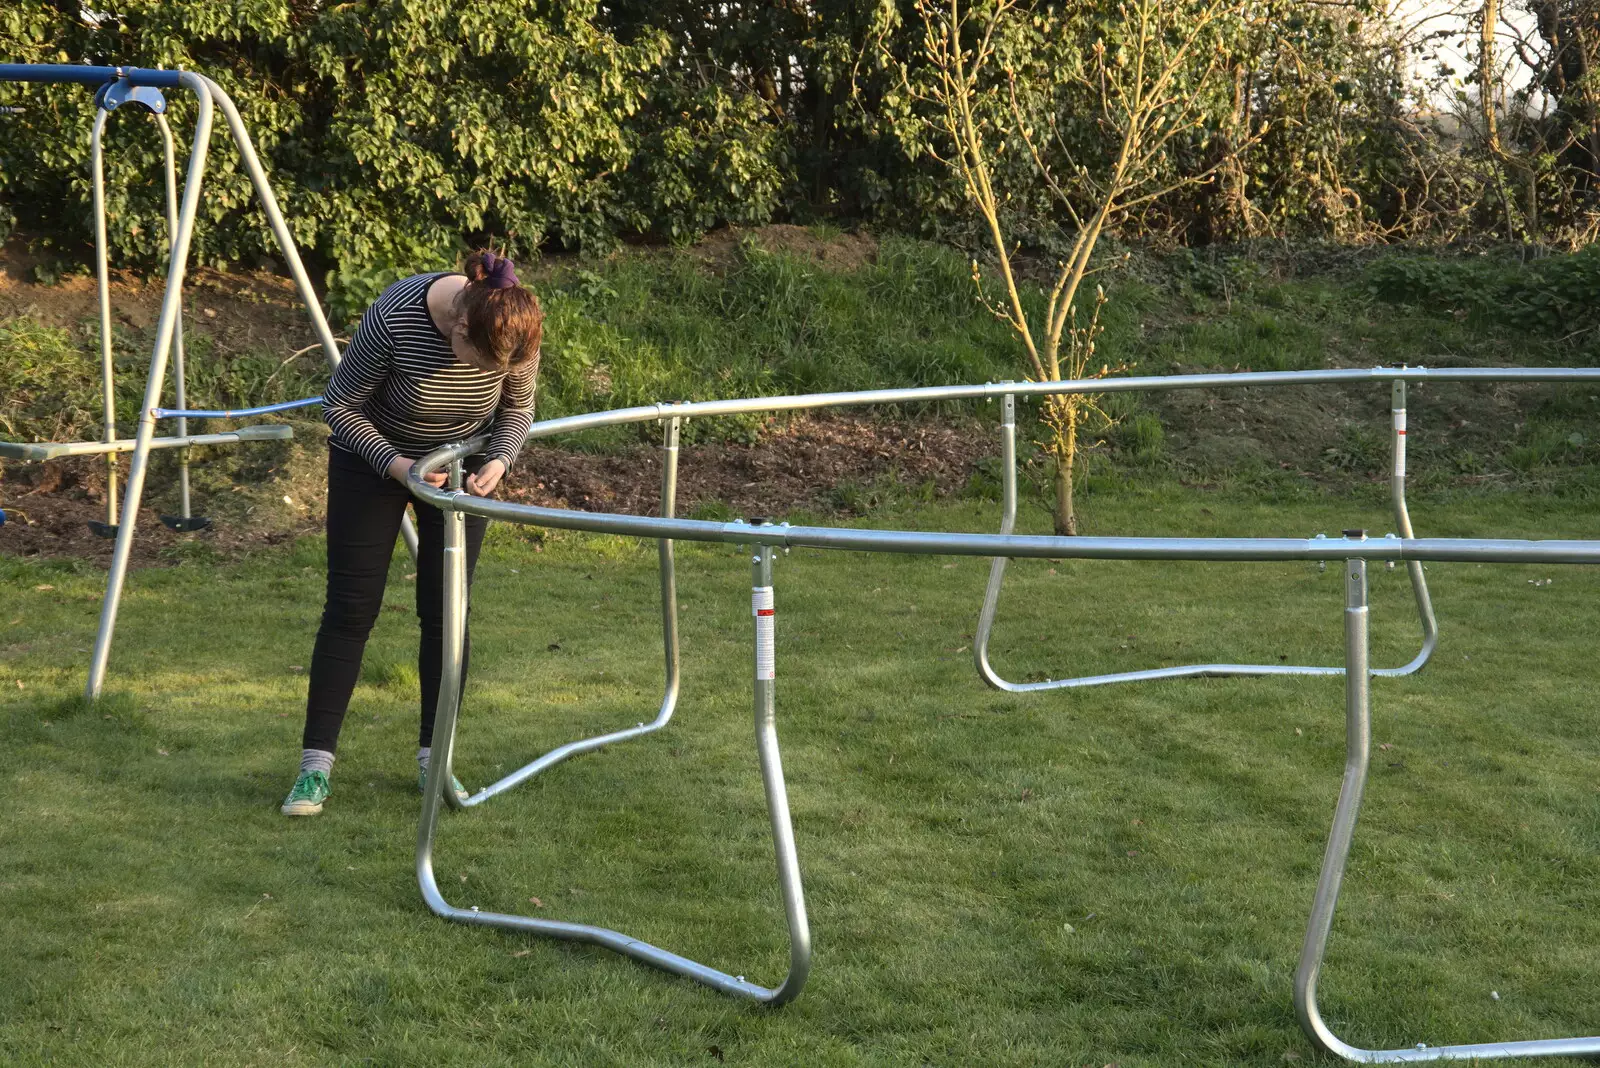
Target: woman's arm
{"points": [[511, 422], [364, 367], [515, 413]]}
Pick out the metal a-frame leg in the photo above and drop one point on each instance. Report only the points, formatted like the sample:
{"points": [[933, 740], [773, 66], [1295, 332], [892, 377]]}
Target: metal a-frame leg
{"points": [[208, 96], [165, 329], [997, 570], [455, 571]]}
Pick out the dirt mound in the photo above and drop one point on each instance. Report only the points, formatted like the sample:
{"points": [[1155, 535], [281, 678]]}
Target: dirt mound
{"points": [[836, 251], [828, 463], [238, 310]]}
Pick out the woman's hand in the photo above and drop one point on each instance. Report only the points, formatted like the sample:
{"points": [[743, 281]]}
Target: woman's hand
{"points": [[400, 466], [487, 478]]}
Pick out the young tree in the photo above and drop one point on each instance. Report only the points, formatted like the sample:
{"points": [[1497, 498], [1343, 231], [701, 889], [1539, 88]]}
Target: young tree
{"points": [[1092, 105]]}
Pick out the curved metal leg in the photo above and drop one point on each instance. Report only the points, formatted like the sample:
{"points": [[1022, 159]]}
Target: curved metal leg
{"points": [[153, 383], [1402, 517], [771, 774], [997, 569], [1358, 744], [669, 632]]}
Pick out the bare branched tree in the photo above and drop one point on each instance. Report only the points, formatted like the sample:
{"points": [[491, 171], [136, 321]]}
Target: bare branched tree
{"points": [[1150, 75]]}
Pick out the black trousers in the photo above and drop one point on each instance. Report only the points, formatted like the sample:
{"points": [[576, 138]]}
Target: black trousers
{"points": [[364, 513]]}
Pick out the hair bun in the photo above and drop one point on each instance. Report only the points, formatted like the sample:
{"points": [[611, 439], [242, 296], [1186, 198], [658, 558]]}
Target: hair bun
{"points": [[487, 268]]}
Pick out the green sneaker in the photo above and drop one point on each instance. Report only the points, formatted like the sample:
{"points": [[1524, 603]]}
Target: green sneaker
{"points": [[461, 791], [309, 792]]}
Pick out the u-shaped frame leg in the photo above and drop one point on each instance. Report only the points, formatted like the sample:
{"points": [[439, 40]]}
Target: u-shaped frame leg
{"points": [[669, 633], [997, 570], [455, 600], [1358, 745]]}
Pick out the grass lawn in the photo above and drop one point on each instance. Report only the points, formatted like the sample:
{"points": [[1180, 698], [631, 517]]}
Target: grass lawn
{"points": [[1073, 878]]}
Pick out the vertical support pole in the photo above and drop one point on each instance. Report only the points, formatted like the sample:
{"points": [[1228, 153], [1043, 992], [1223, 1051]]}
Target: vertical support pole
{"points": [[1358, 744], [434, 794], [1402, 518], [443, 745], [669, 642], [179, 374], [1008, 521], [103, 284], [794, 906], [153, 382], [668, 567]]}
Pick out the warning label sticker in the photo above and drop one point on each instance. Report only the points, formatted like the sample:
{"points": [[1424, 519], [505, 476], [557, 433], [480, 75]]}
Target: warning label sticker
{"points": [[1400, 442], [766, 653]]}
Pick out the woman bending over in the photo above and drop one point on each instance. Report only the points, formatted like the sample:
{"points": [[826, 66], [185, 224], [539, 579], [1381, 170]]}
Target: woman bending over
{"points": [[437, 358]]}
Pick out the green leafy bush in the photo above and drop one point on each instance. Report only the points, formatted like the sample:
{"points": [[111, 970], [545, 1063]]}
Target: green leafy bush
{"points": [[395, 131], [1557, 294]]}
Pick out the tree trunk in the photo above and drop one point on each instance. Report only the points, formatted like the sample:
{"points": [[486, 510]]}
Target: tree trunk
{"points": [[1066, 456], [1066, 520], [1488, 21]]}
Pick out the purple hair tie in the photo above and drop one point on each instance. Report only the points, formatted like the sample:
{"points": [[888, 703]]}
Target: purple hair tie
{"points": [[501, 272]]}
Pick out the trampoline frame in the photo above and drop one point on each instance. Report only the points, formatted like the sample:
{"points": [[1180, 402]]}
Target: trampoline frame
{"points": [[1354, 549], [671, 415]]}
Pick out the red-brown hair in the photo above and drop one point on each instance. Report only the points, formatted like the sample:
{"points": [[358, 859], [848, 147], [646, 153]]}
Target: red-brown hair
{"points": [[505, 325]]}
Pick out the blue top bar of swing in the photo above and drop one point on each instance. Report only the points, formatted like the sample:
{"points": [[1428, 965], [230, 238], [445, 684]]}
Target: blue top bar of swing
{"points": [[82, 75], [233, 413]]}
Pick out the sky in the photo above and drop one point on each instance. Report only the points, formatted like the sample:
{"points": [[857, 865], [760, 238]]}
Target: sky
{"points": [[1459, 47]]}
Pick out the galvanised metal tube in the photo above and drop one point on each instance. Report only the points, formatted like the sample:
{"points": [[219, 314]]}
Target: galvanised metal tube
{"points": [[669, 632], [453, 662], [179, 372], [234, 413], [56, 450], [1358, 744], [152, 394], [997, 566], [956, 544], [103, 286], [1402, 518], [764, 611], [997, 390], [1358, 748], [435, 792]]}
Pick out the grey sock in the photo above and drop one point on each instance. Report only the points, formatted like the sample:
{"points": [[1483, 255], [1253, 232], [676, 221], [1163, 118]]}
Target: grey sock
{"points": [[316, 760], [422, 756]]}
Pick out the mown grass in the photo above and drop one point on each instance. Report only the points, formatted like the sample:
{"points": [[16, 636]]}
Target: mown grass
{"points": [[1113, 875]]}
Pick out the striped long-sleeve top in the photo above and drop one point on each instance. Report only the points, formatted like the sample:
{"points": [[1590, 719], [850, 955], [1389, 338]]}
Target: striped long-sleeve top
{"points": [[400, 391]]}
